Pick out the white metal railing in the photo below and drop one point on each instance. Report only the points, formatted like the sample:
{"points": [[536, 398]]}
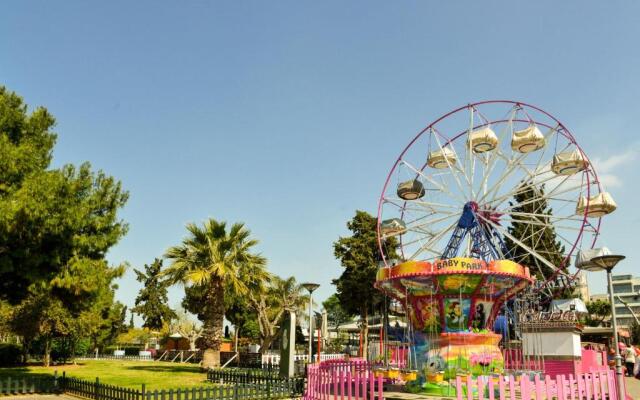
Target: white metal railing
{"points": [[118, 357], [274, 359]]}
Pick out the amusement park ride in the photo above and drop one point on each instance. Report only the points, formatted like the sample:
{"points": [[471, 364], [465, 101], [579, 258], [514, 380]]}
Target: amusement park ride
{"points": [[452, 256]]}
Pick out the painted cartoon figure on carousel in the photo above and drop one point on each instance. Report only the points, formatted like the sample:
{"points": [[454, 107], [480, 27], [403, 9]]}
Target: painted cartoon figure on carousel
{"points": [[479, 317]]}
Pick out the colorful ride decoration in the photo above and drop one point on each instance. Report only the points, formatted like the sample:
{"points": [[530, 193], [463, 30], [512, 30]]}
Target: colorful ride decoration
{"points": [[451, 304]]}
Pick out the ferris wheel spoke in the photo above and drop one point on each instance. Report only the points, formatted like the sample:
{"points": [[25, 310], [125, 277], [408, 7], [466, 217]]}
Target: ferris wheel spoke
{"points": [[431, 205], [541, 215], [442, 188], [418, 221], [547, 252], [451, 169], [510, 168], [541, 229], [512, 163], [537, 199], [404, 207], [422, 207], [431, 222], [434, 239], [523, 188], [539, 223], [491, 163], [538, 163], [531, 251], [471, 160], [546, 196], [422, 204]]}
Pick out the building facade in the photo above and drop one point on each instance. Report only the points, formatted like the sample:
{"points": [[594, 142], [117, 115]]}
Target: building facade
{"points": [[582, 286], [626, 289]]}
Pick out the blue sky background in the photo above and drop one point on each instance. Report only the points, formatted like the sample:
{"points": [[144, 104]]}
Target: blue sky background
{"points": [[287, 115]]}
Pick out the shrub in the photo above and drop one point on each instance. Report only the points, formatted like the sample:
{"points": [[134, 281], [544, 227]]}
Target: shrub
{"points": [[9, 354]]}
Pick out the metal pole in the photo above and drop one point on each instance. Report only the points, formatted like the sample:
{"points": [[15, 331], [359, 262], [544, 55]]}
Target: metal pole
{"points": [[614, 325], [310, 328]]}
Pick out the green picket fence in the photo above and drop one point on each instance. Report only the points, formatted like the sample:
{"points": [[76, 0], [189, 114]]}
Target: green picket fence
{"points": [[29, 385], [96, 390], [268, 380], [236, 392]]}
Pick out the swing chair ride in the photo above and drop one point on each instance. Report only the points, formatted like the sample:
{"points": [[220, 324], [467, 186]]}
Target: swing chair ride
{"points": [[462, 222]]}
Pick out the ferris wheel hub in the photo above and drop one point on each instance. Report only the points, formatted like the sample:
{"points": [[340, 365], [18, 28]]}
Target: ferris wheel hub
{"points": [[468, 219]]}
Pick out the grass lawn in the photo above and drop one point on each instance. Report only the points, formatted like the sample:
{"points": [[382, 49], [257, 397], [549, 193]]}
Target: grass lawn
{"points": [[132, 374]]}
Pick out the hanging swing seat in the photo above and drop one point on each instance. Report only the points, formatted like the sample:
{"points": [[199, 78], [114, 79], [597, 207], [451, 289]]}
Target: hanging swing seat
{"points": [[392, 227], [410, 190], [598, 205], [568, 163], [441, 159], [482, 140], [527, 140]]}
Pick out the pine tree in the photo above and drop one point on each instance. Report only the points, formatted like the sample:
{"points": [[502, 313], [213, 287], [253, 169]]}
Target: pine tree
{"points": [[359, 255], [539, 235], [151, 303]]}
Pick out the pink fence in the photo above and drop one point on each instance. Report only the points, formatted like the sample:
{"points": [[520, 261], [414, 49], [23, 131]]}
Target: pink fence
{"points": [[594, 386], [351, 380]]}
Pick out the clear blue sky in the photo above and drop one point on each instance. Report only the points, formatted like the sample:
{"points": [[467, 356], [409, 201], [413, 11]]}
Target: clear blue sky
{"points": [[287, 115]]}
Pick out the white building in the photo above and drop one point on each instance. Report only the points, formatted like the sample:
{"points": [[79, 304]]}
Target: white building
{"points": [[626, 289]]}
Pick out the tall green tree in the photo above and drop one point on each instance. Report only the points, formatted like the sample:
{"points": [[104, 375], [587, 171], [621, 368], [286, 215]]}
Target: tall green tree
{"points": [[55, 224], [151, 303], [272, 303], [599, 310], [535, 230], [243, 317], [336, 314], [6, 313], [187, 328], [238, 310], [213, 259], [46, 317], [359, 255]]}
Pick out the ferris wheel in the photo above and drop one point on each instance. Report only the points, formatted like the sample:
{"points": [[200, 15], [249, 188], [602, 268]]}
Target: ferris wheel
{"points": [[493, 180]]}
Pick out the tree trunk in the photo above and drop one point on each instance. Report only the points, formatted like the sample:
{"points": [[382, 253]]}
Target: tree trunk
{"points": [[46, 358], [213, 325], [26, 346], [267, 341], [365, 334]]}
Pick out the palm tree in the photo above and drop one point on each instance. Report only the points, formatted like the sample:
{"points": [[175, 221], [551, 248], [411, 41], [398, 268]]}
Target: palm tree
{"points": [[212, 259]]}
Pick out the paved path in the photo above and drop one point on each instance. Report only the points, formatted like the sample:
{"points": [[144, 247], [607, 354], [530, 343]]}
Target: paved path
{"points": [[633, 387]]}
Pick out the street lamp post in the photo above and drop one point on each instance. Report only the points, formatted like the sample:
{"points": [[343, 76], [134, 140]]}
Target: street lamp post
{"points": [[606, 262], [311, 287]]}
